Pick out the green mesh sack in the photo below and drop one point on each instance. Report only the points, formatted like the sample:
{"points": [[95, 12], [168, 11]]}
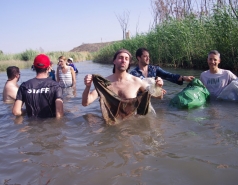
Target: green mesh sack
{"points": [[192, 96]]}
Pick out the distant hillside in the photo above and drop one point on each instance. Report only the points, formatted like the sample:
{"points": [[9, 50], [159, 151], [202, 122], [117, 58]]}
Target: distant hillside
{"points": [[94, 47]]}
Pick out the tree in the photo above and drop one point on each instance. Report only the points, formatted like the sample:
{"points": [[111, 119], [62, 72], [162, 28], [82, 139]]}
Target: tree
{"points": [[123, 20]]}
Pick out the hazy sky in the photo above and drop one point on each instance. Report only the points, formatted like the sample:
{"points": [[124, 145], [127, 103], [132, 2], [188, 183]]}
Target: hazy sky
{"points": [[61, 25]]}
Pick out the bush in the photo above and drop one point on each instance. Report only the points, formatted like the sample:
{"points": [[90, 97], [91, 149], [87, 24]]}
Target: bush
{"points": [[28, 55]]}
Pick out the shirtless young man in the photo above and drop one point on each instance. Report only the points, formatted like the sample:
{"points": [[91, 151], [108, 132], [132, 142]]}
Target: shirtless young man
{"points": [[123, 84], [11, 86]]}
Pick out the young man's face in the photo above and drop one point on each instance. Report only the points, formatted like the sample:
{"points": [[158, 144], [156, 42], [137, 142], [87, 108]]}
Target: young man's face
{"points": [[144, 59], [122, 61], [213, 61]]}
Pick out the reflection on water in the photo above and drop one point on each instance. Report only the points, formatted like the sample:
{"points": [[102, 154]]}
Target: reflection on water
{"points": [[197, 146]]}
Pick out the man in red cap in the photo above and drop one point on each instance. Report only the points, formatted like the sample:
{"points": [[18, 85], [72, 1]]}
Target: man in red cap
{"points": [[41, 95]]}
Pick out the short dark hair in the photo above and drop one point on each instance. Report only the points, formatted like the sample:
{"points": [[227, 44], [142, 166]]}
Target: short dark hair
{"points": [[117, 53], [214, 52], [140, 51], [12, 71], [40, 70]]}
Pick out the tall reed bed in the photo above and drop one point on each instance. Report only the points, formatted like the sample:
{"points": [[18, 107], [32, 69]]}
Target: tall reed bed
{"points": [[185, 42], [26, 58], [18, 63]]}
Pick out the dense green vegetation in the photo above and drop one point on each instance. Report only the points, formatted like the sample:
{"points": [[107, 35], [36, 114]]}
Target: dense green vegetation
{"points": [[25, 59], [185, 42]]}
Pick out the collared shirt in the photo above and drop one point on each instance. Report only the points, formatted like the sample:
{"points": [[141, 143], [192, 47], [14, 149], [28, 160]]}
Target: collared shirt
{"points": [[154, 71]]}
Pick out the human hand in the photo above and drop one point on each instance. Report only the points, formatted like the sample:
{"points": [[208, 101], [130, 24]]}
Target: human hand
{"points": [[188, 78], [159, 82], [88, 80], [73, 86], [163, 92]]}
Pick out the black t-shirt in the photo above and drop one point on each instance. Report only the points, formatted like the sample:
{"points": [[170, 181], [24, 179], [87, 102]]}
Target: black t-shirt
{"points": [[39, 96]]}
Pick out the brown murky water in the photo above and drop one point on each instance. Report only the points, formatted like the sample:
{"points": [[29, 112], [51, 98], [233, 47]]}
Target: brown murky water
{"points": [[179, 147]]}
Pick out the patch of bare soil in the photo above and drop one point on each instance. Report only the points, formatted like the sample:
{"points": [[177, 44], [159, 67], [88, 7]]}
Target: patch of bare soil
{"points": [[94, 47]]}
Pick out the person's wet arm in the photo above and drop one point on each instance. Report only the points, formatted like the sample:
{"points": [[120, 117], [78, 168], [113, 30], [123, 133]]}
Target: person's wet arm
{"points": [[73, 77], [88, 97], [12, 92], [174, 78], [186, 78], [17, 108], [59, 111]]}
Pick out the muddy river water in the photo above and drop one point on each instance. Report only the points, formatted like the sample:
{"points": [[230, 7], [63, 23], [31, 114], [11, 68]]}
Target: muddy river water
{"points": [[180, 147]]}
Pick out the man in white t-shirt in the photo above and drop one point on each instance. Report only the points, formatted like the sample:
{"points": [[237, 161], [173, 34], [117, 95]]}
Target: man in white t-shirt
{"points": [[216, 79]]}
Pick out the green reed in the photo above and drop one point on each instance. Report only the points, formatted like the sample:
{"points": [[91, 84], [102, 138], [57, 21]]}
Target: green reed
{"points": [[18, 63], [26, 58], [185, 43]]}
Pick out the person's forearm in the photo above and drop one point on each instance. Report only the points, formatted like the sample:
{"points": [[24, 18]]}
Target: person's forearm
{"points": [[186, 78], [73, 84], [59, 108], [85, 96], [17, 108], [17, 113], [73, 79], [181, 78], [174, 78]]}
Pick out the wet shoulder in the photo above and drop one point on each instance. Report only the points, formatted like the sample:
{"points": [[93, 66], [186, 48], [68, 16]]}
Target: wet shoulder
{"points": [[135, 79]]}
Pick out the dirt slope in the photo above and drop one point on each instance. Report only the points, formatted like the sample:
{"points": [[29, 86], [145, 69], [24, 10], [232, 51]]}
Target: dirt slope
{"points": [[94, 47]]}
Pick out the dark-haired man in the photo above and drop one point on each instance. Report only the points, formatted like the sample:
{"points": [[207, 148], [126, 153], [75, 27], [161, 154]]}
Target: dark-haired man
{"points": [[144, 69], [216, 79], [11, 86], [41, 95], [118, 92]]}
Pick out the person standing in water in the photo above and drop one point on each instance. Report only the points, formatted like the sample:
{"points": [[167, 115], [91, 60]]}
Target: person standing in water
{"points": [[70, 63], [119, 91], [65, 74], [11, 87], [42, 96], [144, 69], [52, 72], [216, 79]]}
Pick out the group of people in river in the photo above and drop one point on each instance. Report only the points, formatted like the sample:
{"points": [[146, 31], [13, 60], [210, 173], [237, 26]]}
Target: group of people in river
{"points": [[122, 94]]}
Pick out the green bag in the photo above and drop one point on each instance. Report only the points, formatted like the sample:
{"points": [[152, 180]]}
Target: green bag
{"points": [[192, 96]]}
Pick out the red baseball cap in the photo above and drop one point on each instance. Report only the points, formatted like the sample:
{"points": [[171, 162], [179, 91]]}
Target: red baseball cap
{"points": [[42, 61]]}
